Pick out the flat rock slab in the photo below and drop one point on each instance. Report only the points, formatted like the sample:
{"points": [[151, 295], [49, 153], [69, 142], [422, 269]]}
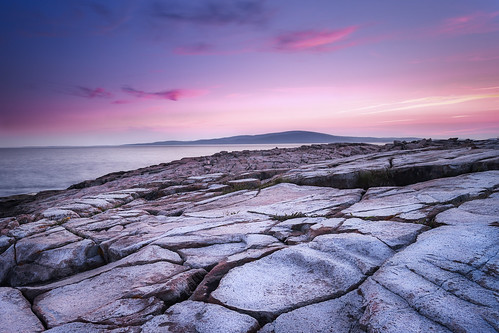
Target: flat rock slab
{"points": [[124, 295], [92, 328], [147, 255], [483, 211], [394, 234], [199, 317], [278, 200], [337, 315], [124, 252], [394, 168], [53, 254], [449, 277], [16, 314], [301, 275], [389, 313], [416, 202]]}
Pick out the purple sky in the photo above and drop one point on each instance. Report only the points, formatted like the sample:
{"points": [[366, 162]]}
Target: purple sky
{"points": [[114, 72]]}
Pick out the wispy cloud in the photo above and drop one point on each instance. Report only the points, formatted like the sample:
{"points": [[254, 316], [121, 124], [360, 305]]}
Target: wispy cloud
{"points": [[212, 12], [475, 23], [122, 101], [93, 92], [172, 95], [488, 88], [81, 91], [208, 49], [322, 40], [433, 101], [473, 56]]}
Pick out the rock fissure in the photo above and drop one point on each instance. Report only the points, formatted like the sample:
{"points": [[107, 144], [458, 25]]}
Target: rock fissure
{"points": [[441, 286], [325, 241], [414, 308]]}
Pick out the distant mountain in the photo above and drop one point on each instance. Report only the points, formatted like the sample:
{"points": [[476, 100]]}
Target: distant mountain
{"points": [[275, 138]]}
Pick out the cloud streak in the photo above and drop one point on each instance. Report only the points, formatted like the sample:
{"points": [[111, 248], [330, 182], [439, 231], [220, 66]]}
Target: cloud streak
{"points": [[172, 95], [475, 23], [323, 40], [93, 92], [433, 101], [85, 92], [217, 13]]}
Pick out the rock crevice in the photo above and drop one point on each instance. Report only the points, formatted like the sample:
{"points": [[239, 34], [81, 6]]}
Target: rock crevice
{"points": [[325, 238]]}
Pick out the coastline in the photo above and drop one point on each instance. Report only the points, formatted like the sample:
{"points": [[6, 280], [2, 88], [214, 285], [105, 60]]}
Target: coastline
{"points": [[263, 241]]}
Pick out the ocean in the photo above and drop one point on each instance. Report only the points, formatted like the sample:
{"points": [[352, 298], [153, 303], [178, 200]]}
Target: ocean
{"points": [[31, 170]]}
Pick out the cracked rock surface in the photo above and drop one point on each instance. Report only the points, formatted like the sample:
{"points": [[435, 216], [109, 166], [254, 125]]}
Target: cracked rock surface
{"points": [[322, 238]]}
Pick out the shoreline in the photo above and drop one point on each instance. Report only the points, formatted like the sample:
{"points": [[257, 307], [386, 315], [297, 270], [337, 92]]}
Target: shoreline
{"points": [[271, 240]]}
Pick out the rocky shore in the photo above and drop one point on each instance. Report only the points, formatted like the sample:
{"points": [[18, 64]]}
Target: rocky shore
{"points": [[324, 238]]}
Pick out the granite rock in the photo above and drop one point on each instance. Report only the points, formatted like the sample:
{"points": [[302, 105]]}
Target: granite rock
{"points": [[320, 238]]}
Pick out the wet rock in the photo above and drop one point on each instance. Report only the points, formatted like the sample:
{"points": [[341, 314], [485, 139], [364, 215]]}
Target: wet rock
{"points": [[200, 317], [16, 314]]}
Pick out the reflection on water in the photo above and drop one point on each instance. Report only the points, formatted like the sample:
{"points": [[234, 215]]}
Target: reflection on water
{"points": [[28, 170]]}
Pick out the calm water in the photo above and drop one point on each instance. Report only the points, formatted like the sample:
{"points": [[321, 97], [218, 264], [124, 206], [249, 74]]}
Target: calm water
{"points": [[29, 170]]}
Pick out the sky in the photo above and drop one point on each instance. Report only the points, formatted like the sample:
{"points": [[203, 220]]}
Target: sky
{"points": [[128, 71]]}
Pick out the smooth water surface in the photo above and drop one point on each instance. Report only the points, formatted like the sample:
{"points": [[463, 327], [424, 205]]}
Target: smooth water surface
{"points": [[29, 170]]}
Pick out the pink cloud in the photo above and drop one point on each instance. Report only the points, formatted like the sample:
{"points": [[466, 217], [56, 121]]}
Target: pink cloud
{"points": [[312, 40], [475, 23], [122, 101], [172, 95]]}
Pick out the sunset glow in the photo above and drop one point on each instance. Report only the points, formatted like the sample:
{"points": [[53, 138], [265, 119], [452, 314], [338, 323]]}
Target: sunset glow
{"points": [[99, 72]]}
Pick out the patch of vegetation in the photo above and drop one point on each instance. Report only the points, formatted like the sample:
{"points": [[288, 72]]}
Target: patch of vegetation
{"points": [[371, 178], [282, 218], [63, 220]]}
